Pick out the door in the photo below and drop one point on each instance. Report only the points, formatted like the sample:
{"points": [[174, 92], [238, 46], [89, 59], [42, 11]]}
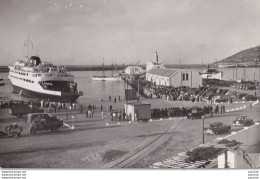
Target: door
{"points": [[137, 114]]}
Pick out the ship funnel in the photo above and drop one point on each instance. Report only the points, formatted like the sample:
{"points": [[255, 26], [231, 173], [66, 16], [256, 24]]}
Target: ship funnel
{"points": [[35, 60], [156, 56]]}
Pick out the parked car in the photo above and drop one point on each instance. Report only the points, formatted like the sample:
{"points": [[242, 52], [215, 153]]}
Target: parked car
{"points": [[220, 99], [241, 95], [217, 128], [43, 121], [222, 91], [234, 94], [228, 92], [213, 90], [12, 130], [196, 114], [23, 109], [249, 97], [251, 87], [243, 121]]}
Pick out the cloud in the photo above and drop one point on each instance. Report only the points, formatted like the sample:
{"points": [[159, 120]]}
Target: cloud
{"points": [[131, 30]]}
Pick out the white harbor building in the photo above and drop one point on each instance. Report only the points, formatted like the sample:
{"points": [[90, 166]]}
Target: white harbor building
{"points": [[174, 77], [134, 70]]}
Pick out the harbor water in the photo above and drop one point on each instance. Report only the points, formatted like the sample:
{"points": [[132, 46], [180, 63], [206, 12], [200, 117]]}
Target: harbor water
{"points": [[95, 91]]}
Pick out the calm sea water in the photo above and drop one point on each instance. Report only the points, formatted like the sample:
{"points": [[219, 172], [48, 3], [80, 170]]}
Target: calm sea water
{"points": [[94, 91]]}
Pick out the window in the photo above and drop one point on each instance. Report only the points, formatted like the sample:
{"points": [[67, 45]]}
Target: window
{"points": [[187, 76], [183, 77]]}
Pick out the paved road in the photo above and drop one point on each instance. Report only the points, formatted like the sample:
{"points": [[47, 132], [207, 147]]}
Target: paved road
{"points": [[93, 131]]}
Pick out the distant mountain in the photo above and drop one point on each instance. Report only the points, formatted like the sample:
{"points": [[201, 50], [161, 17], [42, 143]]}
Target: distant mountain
{"points": [[244, 56]]}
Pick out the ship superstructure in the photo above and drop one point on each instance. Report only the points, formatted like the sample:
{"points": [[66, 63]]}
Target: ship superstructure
{"points": [[211, 73], [34, 78]]}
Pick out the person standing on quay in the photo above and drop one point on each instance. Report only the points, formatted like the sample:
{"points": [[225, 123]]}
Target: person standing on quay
{"points": [[81, 109], [115, 100], [101, 108], [102, 114]]}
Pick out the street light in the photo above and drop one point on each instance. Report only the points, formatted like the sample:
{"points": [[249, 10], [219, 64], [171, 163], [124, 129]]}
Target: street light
{"points": [[72, 127], [203, 128]]}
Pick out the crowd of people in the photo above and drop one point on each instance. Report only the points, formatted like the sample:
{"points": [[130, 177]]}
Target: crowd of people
{"points": [[180, 93], [56, 106], [177, 111]]}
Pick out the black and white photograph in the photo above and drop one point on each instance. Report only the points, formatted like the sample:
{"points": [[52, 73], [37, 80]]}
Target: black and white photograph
{"points": [[156, 85]]}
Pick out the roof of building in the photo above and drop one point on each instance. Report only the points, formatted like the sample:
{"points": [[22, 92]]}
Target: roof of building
{"points": [[138, 103], [163, 72]]}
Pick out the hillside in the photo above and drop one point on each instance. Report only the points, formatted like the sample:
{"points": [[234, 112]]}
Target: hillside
{"points": [[245, 56]]}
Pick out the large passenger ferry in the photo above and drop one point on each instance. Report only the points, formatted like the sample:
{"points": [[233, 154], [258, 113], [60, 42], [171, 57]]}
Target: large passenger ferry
{"points": [[34, 78]]}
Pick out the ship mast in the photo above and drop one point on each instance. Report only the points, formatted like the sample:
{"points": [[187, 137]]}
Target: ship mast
{"points": [[27, 44], [103, 68]]}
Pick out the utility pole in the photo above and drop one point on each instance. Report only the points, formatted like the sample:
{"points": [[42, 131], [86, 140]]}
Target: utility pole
{"points": [[236, 72], [138, 91], [203, 129]]}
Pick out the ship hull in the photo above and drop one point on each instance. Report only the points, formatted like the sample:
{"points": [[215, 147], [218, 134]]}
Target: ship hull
{"points": [[217, 76], [65, 97], [106, 78]]}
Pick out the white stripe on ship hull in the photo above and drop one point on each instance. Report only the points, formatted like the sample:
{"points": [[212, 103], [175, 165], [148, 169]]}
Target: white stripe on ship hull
{"points": [[36, 87]]}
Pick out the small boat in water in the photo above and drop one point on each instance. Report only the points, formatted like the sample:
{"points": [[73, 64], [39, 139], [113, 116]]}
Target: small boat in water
{"points": [[106, 78], [211, 73], [103, 77], [226, 65]]}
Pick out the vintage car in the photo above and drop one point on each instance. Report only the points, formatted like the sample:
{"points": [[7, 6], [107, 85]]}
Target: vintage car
{"points": [[220, 99], [23, 109], [241, 95], [12, 130], [196, 114], [243, 121], [249, 97], [217, 128], [43, 121], [234, 94]]}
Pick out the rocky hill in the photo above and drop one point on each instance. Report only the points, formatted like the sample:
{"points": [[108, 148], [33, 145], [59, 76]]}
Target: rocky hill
{"points": [[245, 56]]}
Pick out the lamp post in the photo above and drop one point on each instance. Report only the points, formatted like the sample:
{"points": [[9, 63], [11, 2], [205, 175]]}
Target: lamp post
{"points": [[203, 128], [72, 119]]}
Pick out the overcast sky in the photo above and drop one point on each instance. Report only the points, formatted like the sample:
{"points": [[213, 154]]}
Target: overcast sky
{"points": [[124, 31]]}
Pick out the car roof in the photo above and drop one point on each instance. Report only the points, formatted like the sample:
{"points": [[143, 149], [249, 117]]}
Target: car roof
{"points": [[215, 123], [34, 114]]}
